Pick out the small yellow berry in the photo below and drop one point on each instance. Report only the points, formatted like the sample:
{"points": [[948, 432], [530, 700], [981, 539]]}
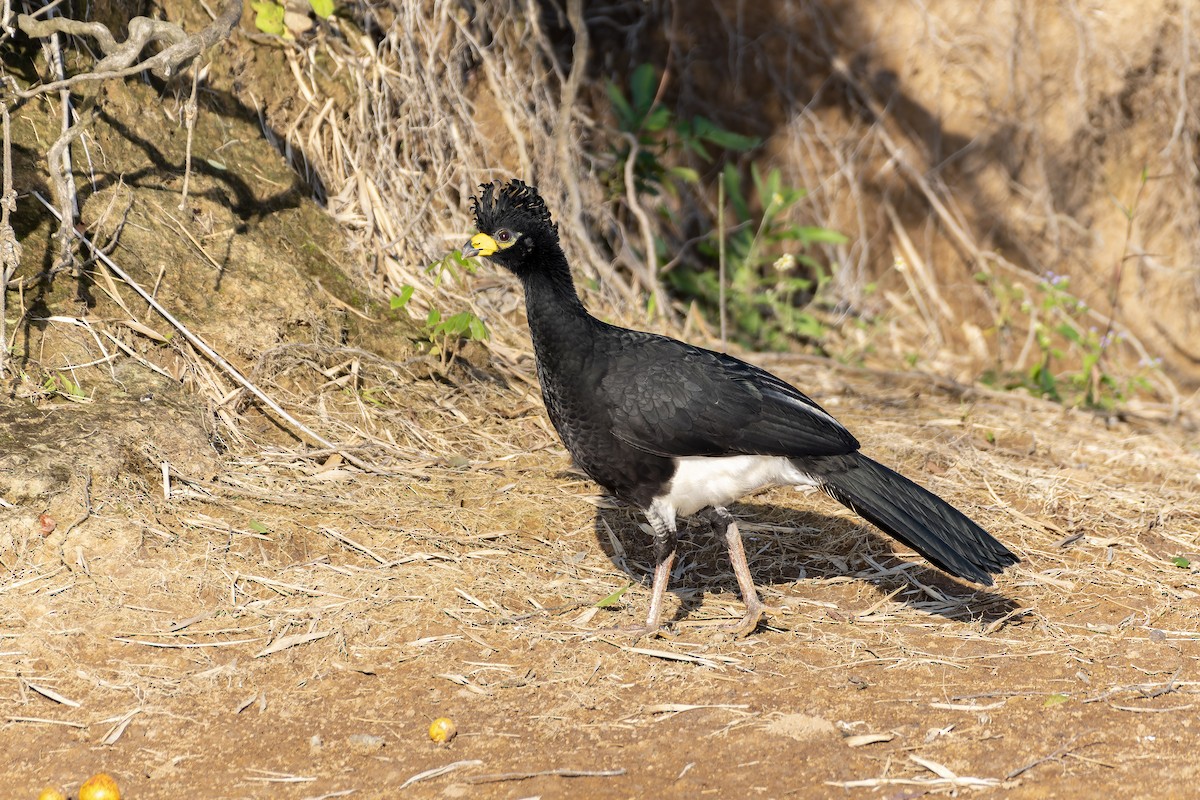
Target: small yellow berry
{"points": [[441, 731], [50, 793], [100, 787]]}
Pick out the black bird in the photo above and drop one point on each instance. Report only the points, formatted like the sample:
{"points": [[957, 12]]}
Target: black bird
{"points": [[674, 428]]}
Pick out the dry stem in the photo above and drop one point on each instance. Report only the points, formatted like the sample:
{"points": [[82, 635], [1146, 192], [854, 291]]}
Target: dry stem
{"points": [[120, 59]]}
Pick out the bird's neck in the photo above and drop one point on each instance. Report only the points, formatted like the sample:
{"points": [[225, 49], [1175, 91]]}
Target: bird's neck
{"points": [[551, 303]]}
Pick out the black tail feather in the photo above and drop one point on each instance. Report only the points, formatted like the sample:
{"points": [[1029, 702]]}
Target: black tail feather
{"points": [[911, 514]]}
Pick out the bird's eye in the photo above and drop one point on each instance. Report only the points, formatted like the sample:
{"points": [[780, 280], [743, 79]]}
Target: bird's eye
{"points": [[503, 236]]}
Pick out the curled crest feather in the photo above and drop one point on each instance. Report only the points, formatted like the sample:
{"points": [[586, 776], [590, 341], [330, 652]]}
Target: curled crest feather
{"points": [[498, 201]]}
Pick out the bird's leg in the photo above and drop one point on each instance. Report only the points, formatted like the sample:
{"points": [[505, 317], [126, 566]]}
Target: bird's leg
{"points": [[665, 538], [741, 570], [658, 589]]}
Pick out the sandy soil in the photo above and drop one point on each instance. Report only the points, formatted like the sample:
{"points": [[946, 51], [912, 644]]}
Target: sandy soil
{"points": [[283, 632], [194, 604]]}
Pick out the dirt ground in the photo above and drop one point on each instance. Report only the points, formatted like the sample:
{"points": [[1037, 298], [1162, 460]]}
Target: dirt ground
{"points": [[194, 603], [282, 632]]}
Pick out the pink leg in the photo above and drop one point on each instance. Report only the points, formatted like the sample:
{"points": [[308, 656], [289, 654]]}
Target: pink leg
{"points": [[741, 570], [664, 557], [658, 590]]}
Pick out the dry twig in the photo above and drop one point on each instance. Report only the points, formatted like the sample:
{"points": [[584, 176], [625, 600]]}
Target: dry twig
{"points": [[120, 59]]}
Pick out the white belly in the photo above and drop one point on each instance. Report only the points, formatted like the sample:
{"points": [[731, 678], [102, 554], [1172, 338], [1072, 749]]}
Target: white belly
{"points": [[701, 482]]}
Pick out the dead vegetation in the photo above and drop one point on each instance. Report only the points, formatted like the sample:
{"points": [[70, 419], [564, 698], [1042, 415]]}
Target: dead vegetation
{"points": [[959, 197], [195, 597]]}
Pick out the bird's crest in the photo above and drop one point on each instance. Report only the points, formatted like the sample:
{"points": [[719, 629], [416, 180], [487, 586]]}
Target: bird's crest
{"points": [[497, 202]]}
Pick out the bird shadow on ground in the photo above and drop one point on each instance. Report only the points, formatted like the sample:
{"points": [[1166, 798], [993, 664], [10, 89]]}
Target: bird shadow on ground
{"points": [[786, 546]]}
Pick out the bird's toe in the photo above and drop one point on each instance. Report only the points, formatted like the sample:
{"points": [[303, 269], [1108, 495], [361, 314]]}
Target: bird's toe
{"points": [[748, 623]]}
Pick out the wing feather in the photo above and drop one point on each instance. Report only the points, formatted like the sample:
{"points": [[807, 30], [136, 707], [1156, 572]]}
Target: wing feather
{"points": [[672, 399]]}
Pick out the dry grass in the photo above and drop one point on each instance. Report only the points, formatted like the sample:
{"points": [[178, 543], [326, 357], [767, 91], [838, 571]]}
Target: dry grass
{"points": [[275, 619], [441, 103], [273, 591]]}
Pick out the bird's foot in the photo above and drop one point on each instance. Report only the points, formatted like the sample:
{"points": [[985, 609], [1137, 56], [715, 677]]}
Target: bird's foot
{"points": [[747, 624], [643, 631]]}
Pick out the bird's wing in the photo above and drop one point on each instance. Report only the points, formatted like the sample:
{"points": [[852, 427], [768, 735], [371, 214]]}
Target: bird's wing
{"points": [[672, 399]]}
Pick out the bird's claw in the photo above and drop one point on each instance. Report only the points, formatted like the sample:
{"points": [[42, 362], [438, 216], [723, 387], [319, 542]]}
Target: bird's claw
{"points": [[747, 624]]}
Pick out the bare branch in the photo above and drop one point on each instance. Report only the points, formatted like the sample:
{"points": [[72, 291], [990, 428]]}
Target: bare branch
{"points": [[10, 248], [120, 59], [64, 187]]}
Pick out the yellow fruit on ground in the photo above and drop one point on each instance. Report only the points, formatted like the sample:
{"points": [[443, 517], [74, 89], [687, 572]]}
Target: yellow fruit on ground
{"points": [[50, 793], [100, 787], [442, 730]]}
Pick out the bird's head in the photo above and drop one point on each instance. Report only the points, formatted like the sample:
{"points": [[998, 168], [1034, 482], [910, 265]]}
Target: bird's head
{"points": [[515, 228]]}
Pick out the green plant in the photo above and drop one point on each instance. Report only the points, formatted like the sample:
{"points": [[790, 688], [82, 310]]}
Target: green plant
{"points": [[655, 131], [1074, 365], [613, 598], [772, 279], [443, 332], [63, 386], [271, 17], [463, 325], [399, 301], [1070, 367]]}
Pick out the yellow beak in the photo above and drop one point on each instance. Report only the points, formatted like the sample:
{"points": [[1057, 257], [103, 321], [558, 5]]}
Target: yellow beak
{"points": [[480, 245]]}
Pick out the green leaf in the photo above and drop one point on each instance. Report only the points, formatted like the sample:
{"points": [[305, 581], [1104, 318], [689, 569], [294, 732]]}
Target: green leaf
{"points": [[469, 265], [643, 86], [767, 189], [440, 270], [477, 329], [268, 17], [657, 120], [456, 324], [813, 234], [697, 147], [774, 184], [258, 527], [624, 113], [733, 141], [808, 326], [401, 300], [464, 323], [1181, 562], [733, 190], [1068, 332], [708, 130], [322, 8], [686, 174], [792, 196], [1055, 700], [612, 598], [797, 284]]}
